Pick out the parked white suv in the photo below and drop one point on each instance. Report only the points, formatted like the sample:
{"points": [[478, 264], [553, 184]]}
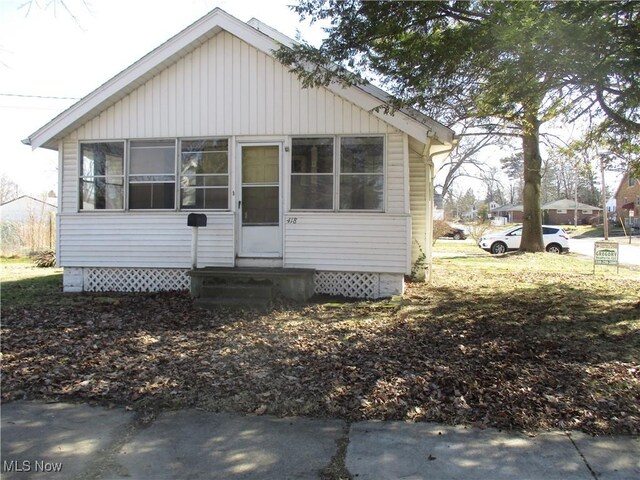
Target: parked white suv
{"points": [[555, 240]]}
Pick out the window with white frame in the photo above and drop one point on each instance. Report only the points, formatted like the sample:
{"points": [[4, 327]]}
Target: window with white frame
{"points": [[152, 174], [361, 173], [102, 176], [562, 210], [352, 174], [312, 174], [204, 174]]}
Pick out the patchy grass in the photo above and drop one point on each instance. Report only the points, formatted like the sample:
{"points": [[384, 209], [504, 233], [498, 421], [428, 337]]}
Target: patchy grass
{"points": [[458, 247], [526, 341], [24, 284], [588, 231]]}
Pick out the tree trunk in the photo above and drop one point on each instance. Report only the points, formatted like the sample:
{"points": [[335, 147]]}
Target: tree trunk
{"points": [[532, 223]]}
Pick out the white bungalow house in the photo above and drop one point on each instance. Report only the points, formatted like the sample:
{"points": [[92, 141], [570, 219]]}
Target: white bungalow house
{"points": [[288, 177]]}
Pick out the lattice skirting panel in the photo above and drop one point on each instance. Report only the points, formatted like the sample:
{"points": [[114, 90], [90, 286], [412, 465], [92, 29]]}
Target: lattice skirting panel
{"points": [[135, 279], [348, 284]]}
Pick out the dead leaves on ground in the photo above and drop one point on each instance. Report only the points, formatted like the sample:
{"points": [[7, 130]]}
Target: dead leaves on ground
{"points": [[482, 357]]}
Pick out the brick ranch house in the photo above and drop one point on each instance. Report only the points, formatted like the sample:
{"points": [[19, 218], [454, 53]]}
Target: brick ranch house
{"points": [[628, 200], [562, 212], [558, 212]]}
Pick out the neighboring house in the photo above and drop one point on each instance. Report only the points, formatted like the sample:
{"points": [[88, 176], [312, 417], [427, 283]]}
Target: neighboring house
{"points": [[471, 214], [559, 212], [628, 200], [512, 213], [562, 212], [27, 225], [210, 122], [475, 211], [25, 209]]}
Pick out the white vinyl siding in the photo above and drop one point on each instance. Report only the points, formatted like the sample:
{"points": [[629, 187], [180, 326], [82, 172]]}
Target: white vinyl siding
{"points": [[70, 171], [160, 240], [395, 178], [328, 241], [214, 91], [347, 242]]}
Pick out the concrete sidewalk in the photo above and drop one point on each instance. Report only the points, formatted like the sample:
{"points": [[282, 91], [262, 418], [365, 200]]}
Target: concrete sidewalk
{"points": [[67, 441]]}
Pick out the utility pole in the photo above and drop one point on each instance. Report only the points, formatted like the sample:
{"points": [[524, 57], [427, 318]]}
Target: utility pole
{"points": [[575, 206]]}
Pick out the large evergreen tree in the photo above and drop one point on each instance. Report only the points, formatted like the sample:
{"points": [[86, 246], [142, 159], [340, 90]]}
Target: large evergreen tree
{"points": [[510, 66]]}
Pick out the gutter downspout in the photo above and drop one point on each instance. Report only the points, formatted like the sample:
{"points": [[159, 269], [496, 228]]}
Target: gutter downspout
{"points": [[429, 154]]}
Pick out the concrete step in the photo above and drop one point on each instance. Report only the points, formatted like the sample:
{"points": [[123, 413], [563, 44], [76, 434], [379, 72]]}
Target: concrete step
{"points": [[213, 303], [252, 295], [293, 283], [237, 290]]}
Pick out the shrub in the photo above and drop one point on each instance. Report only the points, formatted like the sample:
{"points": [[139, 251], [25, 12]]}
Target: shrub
{"points": [[477, 230], [45, 259], [440, 229]]}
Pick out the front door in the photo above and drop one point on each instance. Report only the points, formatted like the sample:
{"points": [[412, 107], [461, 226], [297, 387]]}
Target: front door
{"points": [[259, 202]]}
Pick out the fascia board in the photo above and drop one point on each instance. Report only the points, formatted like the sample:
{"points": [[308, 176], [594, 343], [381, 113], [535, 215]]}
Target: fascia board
{"points": [[397, 119]]}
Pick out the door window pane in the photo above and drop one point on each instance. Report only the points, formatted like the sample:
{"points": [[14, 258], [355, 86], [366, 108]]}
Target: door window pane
{"points": [[260, 205], [260, 164]]}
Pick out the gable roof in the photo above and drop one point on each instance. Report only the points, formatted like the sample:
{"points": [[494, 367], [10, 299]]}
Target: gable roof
{"points": [[29, 198], [509, 208], [625, 180], [566, 204], [255, 33]]}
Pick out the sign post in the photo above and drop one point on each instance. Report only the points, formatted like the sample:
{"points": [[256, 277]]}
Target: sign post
{"points": [[605, 253]]}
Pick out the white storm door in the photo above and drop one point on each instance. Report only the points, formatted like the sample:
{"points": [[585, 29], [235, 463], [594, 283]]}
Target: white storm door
{"points": [[260, 225]]}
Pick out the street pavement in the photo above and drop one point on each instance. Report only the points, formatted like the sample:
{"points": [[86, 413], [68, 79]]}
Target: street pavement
{"points": [[628, 253], [77, 441]]}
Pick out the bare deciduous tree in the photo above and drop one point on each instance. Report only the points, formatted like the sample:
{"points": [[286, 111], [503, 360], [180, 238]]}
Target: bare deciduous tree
{"points": [[8, 189]]}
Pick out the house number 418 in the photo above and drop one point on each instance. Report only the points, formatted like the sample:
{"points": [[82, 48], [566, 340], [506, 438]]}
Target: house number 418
{"points": [[292, 220]]}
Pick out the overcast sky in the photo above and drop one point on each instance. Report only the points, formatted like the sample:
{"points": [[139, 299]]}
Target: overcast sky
{"points": [[48, 53]]}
